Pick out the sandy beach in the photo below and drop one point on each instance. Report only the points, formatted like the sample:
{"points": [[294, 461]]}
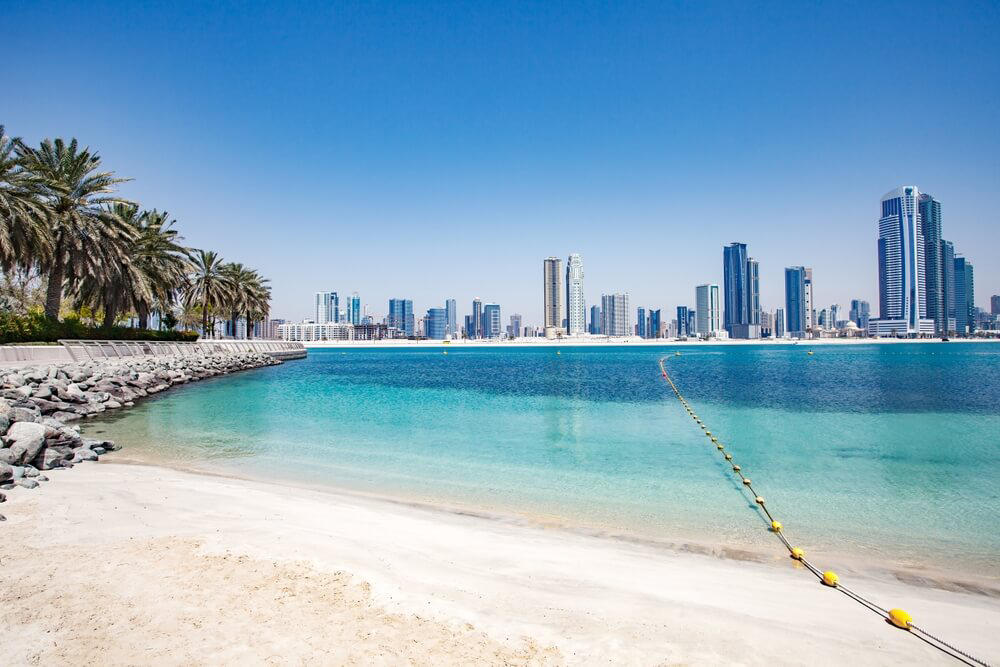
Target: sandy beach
{"points": [[117, 564]]}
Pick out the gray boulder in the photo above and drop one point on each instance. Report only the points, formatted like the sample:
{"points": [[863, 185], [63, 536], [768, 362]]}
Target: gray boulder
{"points": [[22, 415], [84, 454], [27, 483], [6, 472], [52, 457], [25, 429], [7, 456], [26, 449]]}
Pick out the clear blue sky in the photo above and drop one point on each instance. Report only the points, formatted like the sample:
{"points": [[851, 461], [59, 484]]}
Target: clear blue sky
{"points": [[442, 150]]}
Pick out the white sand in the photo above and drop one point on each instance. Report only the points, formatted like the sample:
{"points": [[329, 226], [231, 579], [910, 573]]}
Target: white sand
{"points": [[114, 564]]}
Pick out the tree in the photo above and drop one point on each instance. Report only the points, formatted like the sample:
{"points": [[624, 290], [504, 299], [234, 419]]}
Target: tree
{"points": [[248, 296], [24, 231], [155, 268], [207, 286], [88, 237]]}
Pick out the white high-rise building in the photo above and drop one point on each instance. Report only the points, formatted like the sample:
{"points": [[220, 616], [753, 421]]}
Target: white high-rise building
{"points": [[615, 315], [576, 310], [552, 287], [810, 311], [708, 321], [327, 307]]}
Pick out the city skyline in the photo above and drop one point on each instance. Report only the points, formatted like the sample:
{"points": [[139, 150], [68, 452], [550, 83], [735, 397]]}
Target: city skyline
{"points": [[615, 136]]}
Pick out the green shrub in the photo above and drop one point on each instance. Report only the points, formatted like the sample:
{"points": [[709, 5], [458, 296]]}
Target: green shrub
{"points": [[36, 328]]}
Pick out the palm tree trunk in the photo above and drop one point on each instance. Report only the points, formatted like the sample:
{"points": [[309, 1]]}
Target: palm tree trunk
{"points": [[204, 318], [109, 317], [143, 318], [53, 293]]}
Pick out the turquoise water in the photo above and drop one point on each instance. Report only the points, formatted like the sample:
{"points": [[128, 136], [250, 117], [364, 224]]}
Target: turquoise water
{"points": [[889, 452]]}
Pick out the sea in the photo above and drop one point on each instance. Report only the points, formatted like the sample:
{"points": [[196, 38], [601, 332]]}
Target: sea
{"points": [[888, 453]]}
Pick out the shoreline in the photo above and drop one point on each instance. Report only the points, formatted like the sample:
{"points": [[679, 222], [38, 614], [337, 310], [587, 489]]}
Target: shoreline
{"points": [[543, 594], [522, 343]]}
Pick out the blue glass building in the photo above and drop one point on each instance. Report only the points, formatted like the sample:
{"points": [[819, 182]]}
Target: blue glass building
{"points": [[401, 315], [682, 321], [741, 298], [436, 323], [641, 322], [795, 301], [491, 321]]}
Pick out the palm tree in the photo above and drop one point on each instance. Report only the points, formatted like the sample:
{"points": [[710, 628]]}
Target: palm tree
{"points": [[249, 295], [258, 303], [207, 286], [155, 268], [88, 237], [24, 231]]}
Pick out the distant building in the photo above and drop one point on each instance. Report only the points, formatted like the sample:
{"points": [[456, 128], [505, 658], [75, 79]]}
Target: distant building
{"points": [[314, 331], [810, 302], [640, 325], [741, 298], [965, 306], [901, 269], [708, 322], [682, 322], [935, 306], [272, 328], [401, 316], [552, 293], [995, 304], [795, 301], [491, 321], [450, 315], [766, 324], [779, 323], [653, 327], [576, 309], [327, 307], [859, 313], [436, 324], [477, 319], [514, 328], [595, 320], [615, 315], [354, 310]]}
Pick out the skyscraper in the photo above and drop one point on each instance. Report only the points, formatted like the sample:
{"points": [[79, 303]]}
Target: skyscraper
{"points": [[779, 323], [810, 303], [708, 322], [595, 320], [965, 304], [930, 228], [514, 328], [576, 310], [401, 316], [860, 312], [354, 312], [901, 269], [995, 304], [327, 307], [552, 288], [450, 318], [436, 323], [615, 315], [640, 324], [742, 292], [491, 321], [682, 322], [948, 284], [795, 301], [653, 328], [477, 318]]}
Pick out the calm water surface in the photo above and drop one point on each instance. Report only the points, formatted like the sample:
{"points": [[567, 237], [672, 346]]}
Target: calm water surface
{"points": [[889, 452]]}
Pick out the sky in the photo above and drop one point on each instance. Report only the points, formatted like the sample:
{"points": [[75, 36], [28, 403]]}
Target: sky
{"points": [[435, 150]]}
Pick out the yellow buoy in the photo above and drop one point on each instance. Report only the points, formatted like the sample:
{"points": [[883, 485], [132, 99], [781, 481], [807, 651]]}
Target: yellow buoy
{"points": [[900, 618], [444, 351], [729, 457], [708, 433], [776, 526], [798, 554], [715, 439], [558, 352], [809, 353], [830, 578], [677, 353], [720, 446]]}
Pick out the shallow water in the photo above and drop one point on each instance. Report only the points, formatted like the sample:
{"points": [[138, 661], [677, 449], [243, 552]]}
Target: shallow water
{"points": [[888, 452]]}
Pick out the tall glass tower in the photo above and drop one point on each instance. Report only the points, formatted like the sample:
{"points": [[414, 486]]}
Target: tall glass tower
{"points": [[741, 316], [552, 297], [930, 227], [902, 291], [795, 301], [576, 310]]}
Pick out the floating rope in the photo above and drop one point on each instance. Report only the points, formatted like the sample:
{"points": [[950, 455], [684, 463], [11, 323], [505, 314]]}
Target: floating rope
{"points": [[896, 617]]}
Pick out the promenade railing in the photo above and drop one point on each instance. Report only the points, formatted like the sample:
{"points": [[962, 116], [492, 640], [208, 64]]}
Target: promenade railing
{"points": [[81, 350]]}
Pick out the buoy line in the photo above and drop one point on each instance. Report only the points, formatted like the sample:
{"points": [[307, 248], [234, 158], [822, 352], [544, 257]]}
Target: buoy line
{"points": [[897, 617]]}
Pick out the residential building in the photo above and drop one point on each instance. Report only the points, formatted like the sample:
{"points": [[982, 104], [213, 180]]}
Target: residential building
{"points": [[934, 290], [576, 310], [682, 322], [795, 301], [809, 301], [491, 321], [450, 309], [615, 315], [477, 318], [708, 323], [514, 328], [901, 270], [595, 320], [860, 313], [401, 316], [315, 331], [948, 278], [354, 310], [552, 289], [327, 307], [741, 316], [436, 324], [965, 307], [779, 323]]}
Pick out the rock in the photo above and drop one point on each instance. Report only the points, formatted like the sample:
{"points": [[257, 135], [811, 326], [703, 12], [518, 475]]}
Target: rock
{"points": [[30, 471], [75, 393], [65, 416], [6, 472], [24, 390], [84, 454], [51, 457], [22, 415], [112, 404], [27, 483], [16, 472], [99, 450], [25, 429], [26, 449], [43, 391], [129, 404], [3, 499], [7, 486], [4, 423], [42, 478], [7, 456]]}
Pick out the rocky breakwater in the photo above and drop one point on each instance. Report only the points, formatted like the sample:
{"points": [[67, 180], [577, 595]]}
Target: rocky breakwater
{"points": [[39, 404]]}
